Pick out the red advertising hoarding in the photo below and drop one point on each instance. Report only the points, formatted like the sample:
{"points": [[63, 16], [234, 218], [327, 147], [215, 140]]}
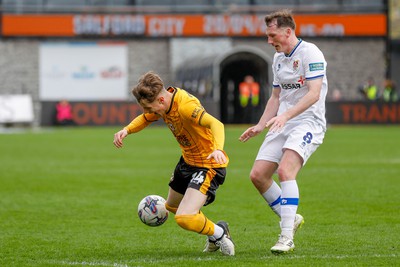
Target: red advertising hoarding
{"points": [[69, 25]]}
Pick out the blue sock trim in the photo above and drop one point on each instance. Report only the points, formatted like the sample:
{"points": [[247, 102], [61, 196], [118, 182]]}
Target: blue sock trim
{"points": [[290, 201], [277, 201]]}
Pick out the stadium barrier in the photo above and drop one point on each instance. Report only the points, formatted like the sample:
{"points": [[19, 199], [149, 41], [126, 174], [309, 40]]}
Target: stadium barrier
{"points": [[363, 112], [16, 109], [121, 113]]}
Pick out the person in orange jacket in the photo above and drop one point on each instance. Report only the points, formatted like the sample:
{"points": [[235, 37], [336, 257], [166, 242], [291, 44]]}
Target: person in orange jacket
{"points": [[249, 90]]}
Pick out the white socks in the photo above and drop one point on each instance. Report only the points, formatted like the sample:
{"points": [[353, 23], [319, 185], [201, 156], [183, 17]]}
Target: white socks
{"points": [[273, 198], [218, 232], [284, 203], [289, 204]]}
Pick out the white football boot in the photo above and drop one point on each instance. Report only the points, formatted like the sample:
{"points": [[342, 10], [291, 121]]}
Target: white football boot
{"points": [[224, 243], [284, 245], [298, 223]]}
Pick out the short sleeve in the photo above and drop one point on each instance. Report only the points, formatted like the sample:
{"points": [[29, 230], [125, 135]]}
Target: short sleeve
{"points": [[314, 63]]}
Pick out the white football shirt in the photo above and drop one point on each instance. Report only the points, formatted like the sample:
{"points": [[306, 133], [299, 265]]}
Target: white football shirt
{"points": [[305, 62]]}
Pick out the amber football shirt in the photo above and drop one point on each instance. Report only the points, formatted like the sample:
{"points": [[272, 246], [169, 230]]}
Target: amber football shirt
{"points": [[183, 119]]}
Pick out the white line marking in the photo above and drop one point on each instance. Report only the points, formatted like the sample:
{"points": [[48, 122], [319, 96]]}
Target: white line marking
{"points": [[138, 263]]}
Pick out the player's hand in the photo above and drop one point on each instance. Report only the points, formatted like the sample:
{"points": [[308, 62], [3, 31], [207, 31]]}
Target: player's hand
{"points": [[251, 132], [276, 123], [218, 156], [119, 136]]}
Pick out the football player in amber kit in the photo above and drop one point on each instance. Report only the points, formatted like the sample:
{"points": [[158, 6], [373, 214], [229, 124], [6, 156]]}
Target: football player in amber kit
{"points": [[202, 166]]}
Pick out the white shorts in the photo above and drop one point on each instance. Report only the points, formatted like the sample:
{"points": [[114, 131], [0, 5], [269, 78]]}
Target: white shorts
{"points": [[303, 137]]}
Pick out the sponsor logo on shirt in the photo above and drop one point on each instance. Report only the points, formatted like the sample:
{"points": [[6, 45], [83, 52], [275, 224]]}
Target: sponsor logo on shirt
{"points": [[183, 140], [196, 112], [316, 66], [301, 80], [289, 86]]}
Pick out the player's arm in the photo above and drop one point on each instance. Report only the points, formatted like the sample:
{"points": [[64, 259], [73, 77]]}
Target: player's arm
{"points": [[270, 111], [218, 130], [136, 125], [314, 90]]}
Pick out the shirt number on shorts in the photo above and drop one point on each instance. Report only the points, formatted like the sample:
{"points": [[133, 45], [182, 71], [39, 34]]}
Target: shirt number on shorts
{"points": [[308, 137], [197, 178]]}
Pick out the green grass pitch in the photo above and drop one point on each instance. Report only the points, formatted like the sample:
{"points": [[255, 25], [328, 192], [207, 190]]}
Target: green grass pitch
{"points": [[69, 198]]}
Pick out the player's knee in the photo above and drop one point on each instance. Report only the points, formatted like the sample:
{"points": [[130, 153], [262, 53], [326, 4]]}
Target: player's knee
{"points": [[282, 174], [256, 177], [170, 208]]}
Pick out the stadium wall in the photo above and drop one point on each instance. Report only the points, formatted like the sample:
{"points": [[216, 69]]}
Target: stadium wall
{"points": [[350, 62]]}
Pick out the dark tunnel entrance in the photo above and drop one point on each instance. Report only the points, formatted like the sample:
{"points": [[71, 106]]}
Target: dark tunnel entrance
{"points": [[216, 81], [233, 70]]}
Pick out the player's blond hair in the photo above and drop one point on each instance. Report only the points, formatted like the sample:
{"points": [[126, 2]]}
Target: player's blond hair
{"points": [[283, 18], [148, 87]]}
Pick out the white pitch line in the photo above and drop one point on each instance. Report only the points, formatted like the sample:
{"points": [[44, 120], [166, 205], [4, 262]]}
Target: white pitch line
{"points": [[337, 256], [144, 261], [95, 263]]}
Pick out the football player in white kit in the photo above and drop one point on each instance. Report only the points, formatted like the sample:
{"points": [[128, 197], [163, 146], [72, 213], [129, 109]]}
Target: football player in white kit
{"points": [[295, 116]]}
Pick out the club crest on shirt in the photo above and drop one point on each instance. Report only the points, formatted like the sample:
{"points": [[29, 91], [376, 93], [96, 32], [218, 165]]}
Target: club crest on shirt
{"points": [[296, 65]]}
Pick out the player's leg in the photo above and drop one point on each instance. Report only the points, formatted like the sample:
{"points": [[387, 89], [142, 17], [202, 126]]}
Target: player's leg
{"points": [[178, 184], [195, 215], [303, 140], [221, 238], [271, 194], [265, 166], [261, 177], [189, 217], [190, 189], [289, 166], [201, 191], [173, 200], [188, 214]]}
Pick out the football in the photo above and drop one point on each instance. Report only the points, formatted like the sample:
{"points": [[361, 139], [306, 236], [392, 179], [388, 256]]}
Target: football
{"points": [[152, 211]]}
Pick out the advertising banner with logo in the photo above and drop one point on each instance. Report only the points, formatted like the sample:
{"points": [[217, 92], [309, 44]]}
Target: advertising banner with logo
{"points": [[187, 25], [83, 71], [351, 112], [101, 113]]}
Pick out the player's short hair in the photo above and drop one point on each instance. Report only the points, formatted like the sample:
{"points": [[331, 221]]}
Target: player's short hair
{"points": [[148, 87], [283, 18]]}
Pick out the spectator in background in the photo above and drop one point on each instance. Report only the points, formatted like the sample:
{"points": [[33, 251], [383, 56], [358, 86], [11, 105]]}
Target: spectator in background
{"points": [[389, 93], [64, 113], [249, 90], [369, 90], [336, 95]]}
